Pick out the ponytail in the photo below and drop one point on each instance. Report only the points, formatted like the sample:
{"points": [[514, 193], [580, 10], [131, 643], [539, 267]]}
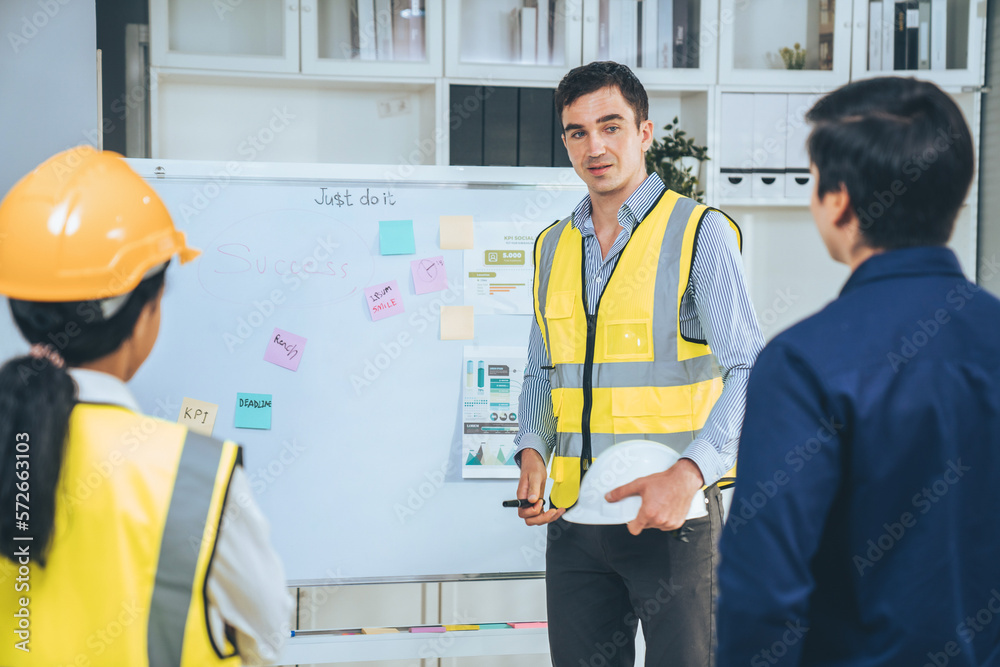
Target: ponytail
{"points": [[37, 396]]}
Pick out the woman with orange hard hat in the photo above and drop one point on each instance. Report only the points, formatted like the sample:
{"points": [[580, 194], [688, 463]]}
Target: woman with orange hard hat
{"points": [[114, 551]]}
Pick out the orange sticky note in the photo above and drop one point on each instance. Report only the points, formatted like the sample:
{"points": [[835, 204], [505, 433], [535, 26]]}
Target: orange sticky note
{"points": [[456, 232], [457, 323], [530, 624], [379, 631]]}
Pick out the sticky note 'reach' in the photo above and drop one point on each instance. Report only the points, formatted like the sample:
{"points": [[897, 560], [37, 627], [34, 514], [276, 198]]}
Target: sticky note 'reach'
{"points": [[456, 232], [198, 416], [384, 300], [285, 349], [253, 411], [429, 275], [395, 237], [457, 323]]}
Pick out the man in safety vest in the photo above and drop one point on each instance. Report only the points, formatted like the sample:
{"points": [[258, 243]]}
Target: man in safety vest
{"points": [[631, 291]]}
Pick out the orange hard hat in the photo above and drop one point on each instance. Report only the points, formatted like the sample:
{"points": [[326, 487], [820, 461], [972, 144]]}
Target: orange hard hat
{"points": [[83, 225]]}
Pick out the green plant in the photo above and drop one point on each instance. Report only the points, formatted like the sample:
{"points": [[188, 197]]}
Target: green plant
{"points": [[664, 157], [794, 58]]}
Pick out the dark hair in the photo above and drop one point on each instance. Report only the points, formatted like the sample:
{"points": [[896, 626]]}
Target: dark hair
{"points": [[587, 79], [37, 397], [902, 150]]}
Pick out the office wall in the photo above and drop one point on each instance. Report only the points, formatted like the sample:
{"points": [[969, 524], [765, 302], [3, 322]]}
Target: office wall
{"points": [[989, 165], [48, 81]]}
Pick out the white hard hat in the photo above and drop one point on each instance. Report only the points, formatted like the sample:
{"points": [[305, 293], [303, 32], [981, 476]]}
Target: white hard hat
{"points": [[618, 465]]}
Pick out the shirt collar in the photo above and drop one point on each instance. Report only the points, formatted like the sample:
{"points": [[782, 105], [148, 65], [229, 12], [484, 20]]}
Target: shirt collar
{"points": [[920, 261], [98, 387], [636, 207]]}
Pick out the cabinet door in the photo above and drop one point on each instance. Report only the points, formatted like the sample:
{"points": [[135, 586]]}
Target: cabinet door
{"points": [[664, 41], [937, 40], [779, 43], [249, 35], [512, 40], [382, 38]]}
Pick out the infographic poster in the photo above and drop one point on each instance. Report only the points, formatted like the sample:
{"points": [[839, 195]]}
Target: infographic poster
{"points": [[499, 270], [491, 385]]}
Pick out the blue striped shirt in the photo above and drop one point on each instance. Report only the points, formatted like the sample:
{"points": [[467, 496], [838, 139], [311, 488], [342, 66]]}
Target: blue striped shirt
{"points": [[716, 308]]}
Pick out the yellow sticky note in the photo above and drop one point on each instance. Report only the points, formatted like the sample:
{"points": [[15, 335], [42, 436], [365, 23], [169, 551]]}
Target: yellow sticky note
{"points": [[453, 628], [456, 232], [379, 631], [457, 323], [199, 416]]}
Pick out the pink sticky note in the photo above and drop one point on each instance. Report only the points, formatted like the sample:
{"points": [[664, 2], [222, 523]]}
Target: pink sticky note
{"points": [[384, 300], [429, 275], [428, 628], [531, 624], [285, 349]]}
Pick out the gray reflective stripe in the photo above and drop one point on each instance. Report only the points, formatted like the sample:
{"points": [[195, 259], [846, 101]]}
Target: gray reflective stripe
{"points": [[546, 255], [666, 307], [571, 444], [182, 538], [639, 373]]}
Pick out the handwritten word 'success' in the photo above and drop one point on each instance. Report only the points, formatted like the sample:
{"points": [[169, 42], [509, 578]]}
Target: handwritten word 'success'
{"points": [[344, 198], [244, 259]]}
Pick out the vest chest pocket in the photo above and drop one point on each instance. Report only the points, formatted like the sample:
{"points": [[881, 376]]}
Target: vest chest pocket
{"points": [[563, 332], [628, 340]]}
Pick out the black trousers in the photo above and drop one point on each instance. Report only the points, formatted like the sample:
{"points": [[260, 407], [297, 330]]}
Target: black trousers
{"points": [[601, 582]]}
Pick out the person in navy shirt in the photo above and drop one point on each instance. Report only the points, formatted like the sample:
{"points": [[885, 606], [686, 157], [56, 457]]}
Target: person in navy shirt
{"points": [[863, 529]]}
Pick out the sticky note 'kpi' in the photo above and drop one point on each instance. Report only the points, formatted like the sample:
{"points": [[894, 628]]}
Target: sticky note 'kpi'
{"points": [[285, 349], [199, 416], [457, 323], [456, 232], [395, 237], [253, 411], [429, 275], [384, 300]]}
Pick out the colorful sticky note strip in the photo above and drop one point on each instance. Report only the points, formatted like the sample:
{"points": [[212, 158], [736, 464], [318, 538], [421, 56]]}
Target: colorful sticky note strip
{"points": [[285, 349], [457, 323], [457, 232], [395, 237], [428, 628], [384, 300], [199, 416], [531, 624], [429, 275], [253, 411]]}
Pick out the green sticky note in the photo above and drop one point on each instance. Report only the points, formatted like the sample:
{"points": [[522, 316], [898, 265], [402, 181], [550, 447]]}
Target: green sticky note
{"points": [[494, 626], [395, 237], [253, 411]]}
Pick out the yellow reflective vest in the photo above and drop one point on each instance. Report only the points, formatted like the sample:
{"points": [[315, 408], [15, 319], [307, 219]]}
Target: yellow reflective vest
{"points": [[137, 515], [626, 372]]}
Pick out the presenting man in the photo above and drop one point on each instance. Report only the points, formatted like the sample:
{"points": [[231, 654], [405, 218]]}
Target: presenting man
{"points": [[630, 291], [863, 529]]}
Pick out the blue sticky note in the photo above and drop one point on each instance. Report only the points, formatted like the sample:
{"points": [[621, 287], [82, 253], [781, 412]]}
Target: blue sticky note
{"points": [[395, 237], [253, 411]]}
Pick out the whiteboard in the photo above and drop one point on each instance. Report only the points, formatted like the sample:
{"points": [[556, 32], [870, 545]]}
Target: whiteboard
{"points": [[360, 481]]}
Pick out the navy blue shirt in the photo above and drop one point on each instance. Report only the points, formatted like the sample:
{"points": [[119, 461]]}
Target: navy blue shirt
{"points": [[865, 525]]}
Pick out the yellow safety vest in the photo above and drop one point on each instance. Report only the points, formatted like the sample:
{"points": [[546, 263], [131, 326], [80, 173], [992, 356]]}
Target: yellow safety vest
{"points": [[137, 516], [626, 372]]}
